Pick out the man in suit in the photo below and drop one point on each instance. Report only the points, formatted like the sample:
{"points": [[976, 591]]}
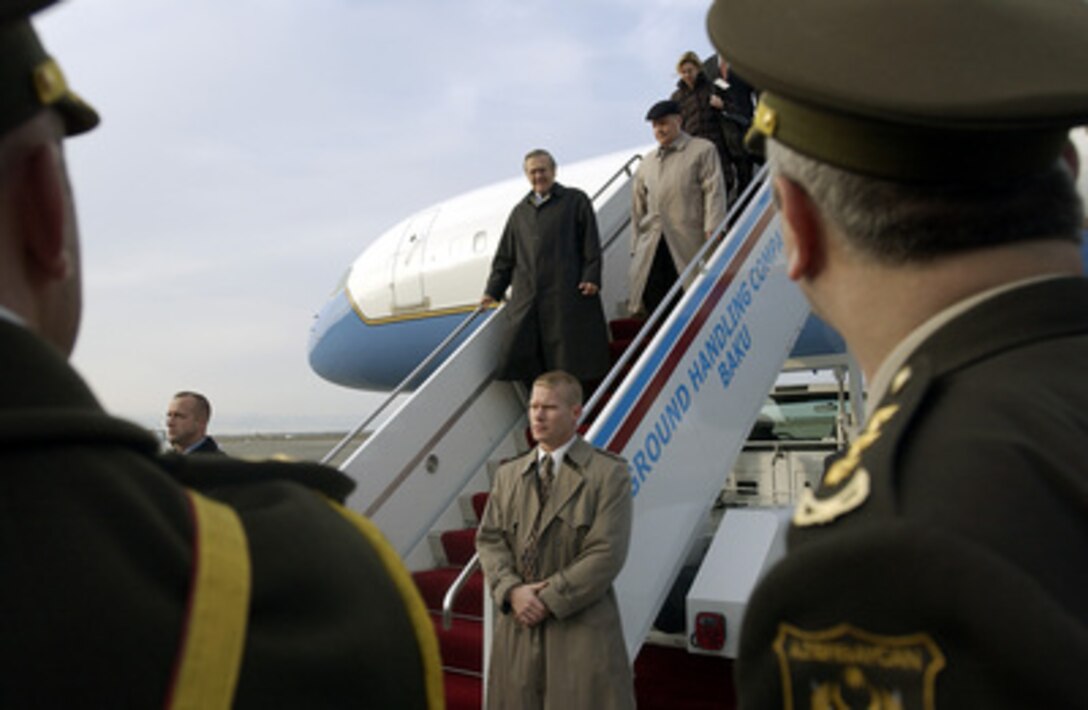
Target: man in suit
{"points": [[187, 424], [554, 536], [134, 580], [929, 217]]}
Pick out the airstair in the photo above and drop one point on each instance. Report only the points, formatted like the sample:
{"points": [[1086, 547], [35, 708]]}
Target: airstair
{"points": [[678, 406]]}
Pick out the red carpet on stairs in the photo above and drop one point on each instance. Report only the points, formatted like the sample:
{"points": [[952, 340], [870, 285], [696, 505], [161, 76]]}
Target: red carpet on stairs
{"points": [[665, 678], [672, 679], [460, 545], [463, 692], [433, 584], [462, 645], [479, 501]]}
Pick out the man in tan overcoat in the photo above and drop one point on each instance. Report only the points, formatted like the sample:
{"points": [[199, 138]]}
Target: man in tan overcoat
{"points": [[678, 200], [558, 640]]}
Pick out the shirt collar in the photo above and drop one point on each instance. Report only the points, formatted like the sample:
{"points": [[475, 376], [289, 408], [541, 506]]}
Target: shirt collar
{"points": [[557, 455], [196, 446]]}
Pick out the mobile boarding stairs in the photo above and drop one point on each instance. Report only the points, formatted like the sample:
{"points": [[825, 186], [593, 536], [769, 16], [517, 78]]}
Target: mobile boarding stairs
{"points": [[678, 406]]}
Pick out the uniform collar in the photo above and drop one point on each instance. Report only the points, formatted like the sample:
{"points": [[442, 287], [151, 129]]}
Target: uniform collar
{"points": [[965, 342], [11, 316]]}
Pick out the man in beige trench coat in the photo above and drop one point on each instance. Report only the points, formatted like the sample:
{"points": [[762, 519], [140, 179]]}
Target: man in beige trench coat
{"points": [[558, 641], [678, 200]]}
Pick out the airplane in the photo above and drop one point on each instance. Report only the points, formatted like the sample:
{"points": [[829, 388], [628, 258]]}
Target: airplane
{"points": [[421, 278]]}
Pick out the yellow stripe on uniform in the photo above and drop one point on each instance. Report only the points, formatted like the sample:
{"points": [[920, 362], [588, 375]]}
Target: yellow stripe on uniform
{"points": [[215, 632], [413, 602]]}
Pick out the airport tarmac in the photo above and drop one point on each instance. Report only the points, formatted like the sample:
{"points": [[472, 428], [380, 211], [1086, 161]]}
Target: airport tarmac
{"points": [[296, 447]]}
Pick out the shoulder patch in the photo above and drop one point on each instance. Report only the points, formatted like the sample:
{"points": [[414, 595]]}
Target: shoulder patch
{"points": [[846, 484], [815, 510], [844, 666]]}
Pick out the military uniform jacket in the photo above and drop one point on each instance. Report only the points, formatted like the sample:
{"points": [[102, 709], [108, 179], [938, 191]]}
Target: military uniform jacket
{"points": [[678, 194], [546, 250], [97, 538], [944, 561], [576, 658]]}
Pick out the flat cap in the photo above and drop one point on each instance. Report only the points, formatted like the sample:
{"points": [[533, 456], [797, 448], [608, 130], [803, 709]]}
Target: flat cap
{"points": [[662, 109], [30, 79], [913, 90]]}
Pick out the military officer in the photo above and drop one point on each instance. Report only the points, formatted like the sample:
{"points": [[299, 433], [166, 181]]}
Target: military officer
{"points": [[131, 580], [916, 162]]}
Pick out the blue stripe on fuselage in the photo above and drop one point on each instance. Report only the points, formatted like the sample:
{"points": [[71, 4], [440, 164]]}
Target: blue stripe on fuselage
{"points": [[347, 351]]}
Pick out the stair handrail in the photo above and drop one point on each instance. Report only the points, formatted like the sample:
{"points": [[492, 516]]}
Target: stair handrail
{"points": [[407, 381], [697, 262], [455, 589], [624, 169]]}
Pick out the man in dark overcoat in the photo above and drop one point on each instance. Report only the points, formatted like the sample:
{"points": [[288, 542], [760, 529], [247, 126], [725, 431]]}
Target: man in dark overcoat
{"points": [[550, 257], [929, 217], [134, 580]]}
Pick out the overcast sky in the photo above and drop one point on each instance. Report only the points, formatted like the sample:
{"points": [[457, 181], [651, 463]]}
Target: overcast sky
{"points": [[250, 149]]}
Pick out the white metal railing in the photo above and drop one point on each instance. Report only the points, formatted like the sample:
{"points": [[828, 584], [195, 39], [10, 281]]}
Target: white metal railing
{"points": [[698, 262]]}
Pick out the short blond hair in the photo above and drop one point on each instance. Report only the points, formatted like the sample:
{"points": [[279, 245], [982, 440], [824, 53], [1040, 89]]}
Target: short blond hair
{"points": [[564, 382]]}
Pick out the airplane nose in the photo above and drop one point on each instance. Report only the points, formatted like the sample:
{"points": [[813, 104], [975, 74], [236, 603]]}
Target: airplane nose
{"points": [[332, 339]]}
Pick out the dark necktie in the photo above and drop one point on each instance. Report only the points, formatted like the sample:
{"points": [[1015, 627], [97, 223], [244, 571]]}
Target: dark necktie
{"points": [[529, 557], [547, 477]]}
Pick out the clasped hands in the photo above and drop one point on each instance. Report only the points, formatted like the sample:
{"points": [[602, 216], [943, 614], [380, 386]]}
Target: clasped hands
{"points": [[528, 609]]}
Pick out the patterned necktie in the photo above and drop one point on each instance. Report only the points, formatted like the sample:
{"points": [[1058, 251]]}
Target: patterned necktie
{"points": [[545, 478]]}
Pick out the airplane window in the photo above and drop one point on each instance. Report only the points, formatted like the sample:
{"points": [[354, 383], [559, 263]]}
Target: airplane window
{"points": [[479, 241]]}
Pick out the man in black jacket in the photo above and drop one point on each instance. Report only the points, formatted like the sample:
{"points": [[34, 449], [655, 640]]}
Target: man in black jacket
{"points": [[132, 580], [929, 216], [187, 419]]}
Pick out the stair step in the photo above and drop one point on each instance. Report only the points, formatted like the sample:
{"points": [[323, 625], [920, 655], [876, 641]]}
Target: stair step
{"points": [[479, 500], [433, 584], [672, 679], [625, 328], [616, 349], [462, 645], [463, 692], [459, 545]]}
